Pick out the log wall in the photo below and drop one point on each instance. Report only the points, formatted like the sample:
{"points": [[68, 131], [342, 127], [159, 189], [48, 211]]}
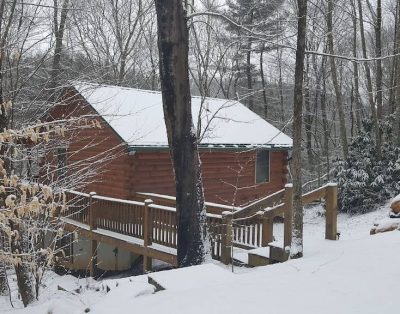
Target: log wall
{"points": [[228, 176]]}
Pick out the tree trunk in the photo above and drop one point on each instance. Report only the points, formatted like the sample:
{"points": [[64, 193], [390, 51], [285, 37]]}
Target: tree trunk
{"points": [[378, 55], [308, 119], [249, 93], [393, 72], [3, 275], [297, 231], [121, 71], [236, 80], [396, 82], [249, 77], [193, 246], [351, 111], [59, 29], [281, 100], [369, 83], [4, 119], [336, 85], [22, 272], [25, 285], [263, 82], [325, 117], [357, 98]]}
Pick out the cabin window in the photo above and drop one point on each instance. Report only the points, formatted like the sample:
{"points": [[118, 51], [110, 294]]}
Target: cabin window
{"points": [[262, 166], [61, 162]]}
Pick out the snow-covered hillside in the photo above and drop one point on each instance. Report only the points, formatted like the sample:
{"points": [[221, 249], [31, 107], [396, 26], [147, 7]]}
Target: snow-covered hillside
{"points": [[357, 274]]}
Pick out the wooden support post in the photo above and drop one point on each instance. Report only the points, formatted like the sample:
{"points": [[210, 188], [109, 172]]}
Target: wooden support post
{"points": [[93, 243], [288, 200], [226, 237], [92, 212], [267, 230], [147, 234], [331, 211]]}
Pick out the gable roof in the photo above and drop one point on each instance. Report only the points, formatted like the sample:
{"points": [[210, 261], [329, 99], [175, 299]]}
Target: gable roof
{"points": [[137, 117]]}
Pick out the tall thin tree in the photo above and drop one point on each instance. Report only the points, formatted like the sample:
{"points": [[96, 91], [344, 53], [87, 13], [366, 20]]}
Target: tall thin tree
{"points": [[297, 231], [378, 145], [59, 29], [335, 80], [174, 74]]}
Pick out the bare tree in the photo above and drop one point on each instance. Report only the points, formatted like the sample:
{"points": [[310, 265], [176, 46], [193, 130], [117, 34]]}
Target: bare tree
{"points": [[59, 29], [336, 84], [173, 46], [396, 82], [110, 37], [369, 82], [296, 249], [356, 78]]}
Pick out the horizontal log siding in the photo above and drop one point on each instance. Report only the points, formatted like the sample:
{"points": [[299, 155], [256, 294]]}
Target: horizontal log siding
{"points": [[152, 171], [87, 146], [114, 176], [222, 172]]}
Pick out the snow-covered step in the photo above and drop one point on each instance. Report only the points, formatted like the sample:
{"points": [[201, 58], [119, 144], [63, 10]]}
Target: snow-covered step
{"points": [[278, 254]]}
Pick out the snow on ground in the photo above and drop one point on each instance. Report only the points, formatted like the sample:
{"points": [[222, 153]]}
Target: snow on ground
{"points": [[357, 274]]}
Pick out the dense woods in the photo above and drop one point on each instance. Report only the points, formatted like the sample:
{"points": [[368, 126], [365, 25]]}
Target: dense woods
{"points": [[325, 72], [240, 49]]}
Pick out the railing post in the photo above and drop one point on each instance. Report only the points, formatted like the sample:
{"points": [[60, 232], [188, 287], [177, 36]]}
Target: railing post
{"points": [[147, 234], [226, 237], [92, 212], [93, 242], [288, 201], [267, 230], [331, 211]]}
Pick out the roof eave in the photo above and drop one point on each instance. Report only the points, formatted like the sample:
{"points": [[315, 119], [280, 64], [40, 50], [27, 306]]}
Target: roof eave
{"points": [[212, 147]]}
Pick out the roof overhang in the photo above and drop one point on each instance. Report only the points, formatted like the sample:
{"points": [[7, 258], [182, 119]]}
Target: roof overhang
{"points": [[211, 147]]}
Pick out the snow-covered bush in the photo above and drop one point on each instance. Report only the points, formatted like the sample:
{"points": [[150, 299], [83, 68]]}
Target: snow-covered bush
{"points": [[366, 181]]}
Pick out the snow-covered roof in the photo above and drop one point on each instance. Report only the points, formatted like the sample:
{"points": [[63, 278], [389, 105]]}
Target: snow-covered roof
{"points": [[137, 117]]}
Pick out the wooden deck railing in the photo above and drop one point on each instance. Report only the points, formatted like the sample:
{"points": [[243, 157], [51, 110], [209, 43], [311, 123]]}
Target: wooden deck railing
{"points": [[253, 225], [247, 227], [167, 200], [152, 223]]}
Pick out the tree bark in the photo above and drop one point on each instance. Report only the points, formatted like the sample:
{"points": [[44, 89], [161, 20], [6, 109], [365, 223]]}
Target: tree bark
{"points": [[297, 231], [193, 246], [3, 275], [396, 82], [378, 55], [280, 83], [393, 72], [369, 83], [4, 119], [263, 82], [25, 285], [249, 93], [336, 85], [59, 29], [22, 272], [357, 97], [325, 117], [308, 119]]}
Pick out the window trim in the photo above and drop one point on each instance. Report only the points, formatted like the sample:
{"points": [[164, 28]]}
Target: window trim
{"points": [[62, 172], [269, 166]]}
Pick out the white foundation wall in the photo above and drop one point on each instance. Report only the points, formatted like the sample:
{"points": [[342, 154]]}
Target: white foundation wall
{"points": [[108, 257]]}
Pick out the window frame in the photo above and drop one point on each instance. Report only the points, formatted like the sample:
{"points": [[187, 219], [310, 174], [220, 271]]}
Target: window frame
{"points": [[62, 171], [268, 179]]}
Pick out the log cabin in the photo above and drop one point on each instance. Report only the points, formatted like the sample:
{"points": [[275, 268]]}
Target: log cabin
{"points": [[243, 156]]}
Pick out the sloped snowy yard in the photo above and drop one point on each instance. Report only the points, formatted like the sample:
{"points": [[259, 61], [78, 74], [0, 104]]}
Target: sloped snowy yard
{"points": [[358, 274]]}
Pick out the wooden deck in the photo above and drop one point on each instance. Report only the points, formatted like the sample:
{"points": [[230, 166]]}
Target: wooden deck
{"points": [[148, 227]]}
